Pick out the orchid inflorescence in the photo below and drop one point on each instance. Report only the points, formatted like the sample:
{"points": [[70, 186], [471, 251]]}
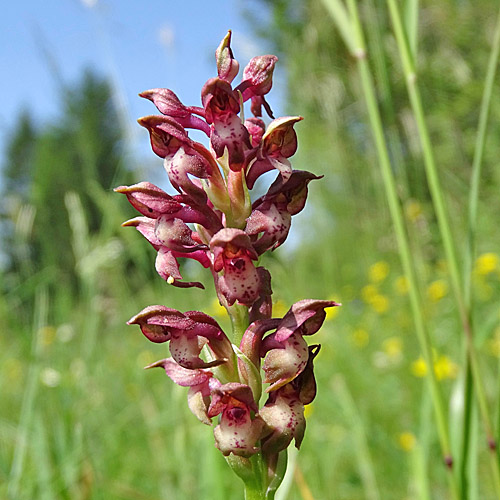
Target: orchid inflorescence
{"points": [[213, 220]]}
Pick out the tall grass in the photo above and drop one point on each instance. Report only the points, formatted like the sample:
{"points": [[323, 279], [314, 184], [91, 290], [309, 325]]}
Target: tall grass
{"points": [[349, 23]]}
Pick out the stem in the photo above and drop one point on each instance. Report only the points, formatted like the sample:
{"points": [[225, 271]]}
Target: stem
{"points": [[402, 238], [444, 228], [239, 321], [463, 458], [474, 197], [255, 489], [478, 157], [253, 494]]}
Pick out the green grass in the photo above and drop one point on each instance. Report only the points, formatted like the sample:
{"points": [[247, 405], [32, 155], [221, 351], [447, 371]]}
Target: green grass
{"points": [[81, 419], [85, 421]]}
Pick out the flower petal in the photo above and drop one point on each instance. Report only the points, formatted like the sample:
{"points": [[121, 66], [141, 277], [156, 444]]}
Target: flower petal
{"points": [[283, 415], [284, 363], [168, 268], [165, 133], [182, 376], [169, 104], [149, 199], [305, 317], [156, 322]]}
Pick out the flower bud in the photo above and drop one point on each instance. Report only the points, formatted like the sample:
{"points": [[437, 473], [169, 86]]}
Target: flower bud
{"points": [[227, 65], [169, 104], [257, 76]]}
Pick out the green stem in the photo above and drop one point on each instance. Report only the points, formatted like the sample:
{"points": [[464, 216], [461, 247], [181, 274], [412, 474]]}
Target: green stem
{"points": [[252, 493], [402, 238], [239, 321], [255, 489], [465, 443], [474, 197], [478, 157], [445, 230], [429, 162]]}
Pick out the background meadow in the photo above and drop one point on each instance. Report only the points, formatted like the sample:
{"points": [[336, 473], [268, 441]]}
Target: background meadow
{"points": [[81, 419]]}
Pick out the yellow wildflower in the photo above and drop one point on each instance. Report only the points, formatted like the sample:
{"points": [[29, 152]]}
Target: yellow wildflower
{"points": [[487, 263], [445, 368], [401, 285], [380, 303], [216, 309], [494, 343], [13, 369], [437, 290], [47, 335], [378, 271], [360, 337], [368, 292], [393, 347], [371, 295], [407, 441], [280, 309], [332, 312], [308, 410], [419, 367], [413, 210]]}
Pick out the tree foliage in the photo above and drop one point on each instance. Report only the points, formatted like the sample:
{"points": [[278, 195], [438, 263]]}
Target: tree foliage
{"points": [[80, 151]]}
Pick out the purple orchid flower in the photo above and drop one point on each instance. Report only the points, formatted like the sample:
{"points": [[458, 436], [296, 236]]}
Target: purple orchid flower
{"points": [[256, 128], [183, 157], [227, 132], [153, 202], [185, 332], [283, 412], [212, 220], [169, 104], [257, 81], [201, 383], [164, 225], [238, 431], [271, 217], [278, 143], [166, 259], [285, 352], [233, 254]]}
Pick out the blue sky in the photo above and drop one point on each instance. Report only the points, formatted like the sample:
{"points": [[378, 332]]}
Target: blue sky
{"points": [[138, 44]]}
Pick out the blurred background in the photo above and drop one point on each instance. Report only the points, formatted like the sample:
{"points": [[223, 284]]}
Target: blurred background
{"points": [[79, 418]]}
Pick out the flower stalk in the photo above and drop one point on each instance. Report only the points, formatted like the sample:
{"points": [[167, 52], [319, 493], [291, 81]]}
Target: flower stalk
{"points": [[213, 220]]}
